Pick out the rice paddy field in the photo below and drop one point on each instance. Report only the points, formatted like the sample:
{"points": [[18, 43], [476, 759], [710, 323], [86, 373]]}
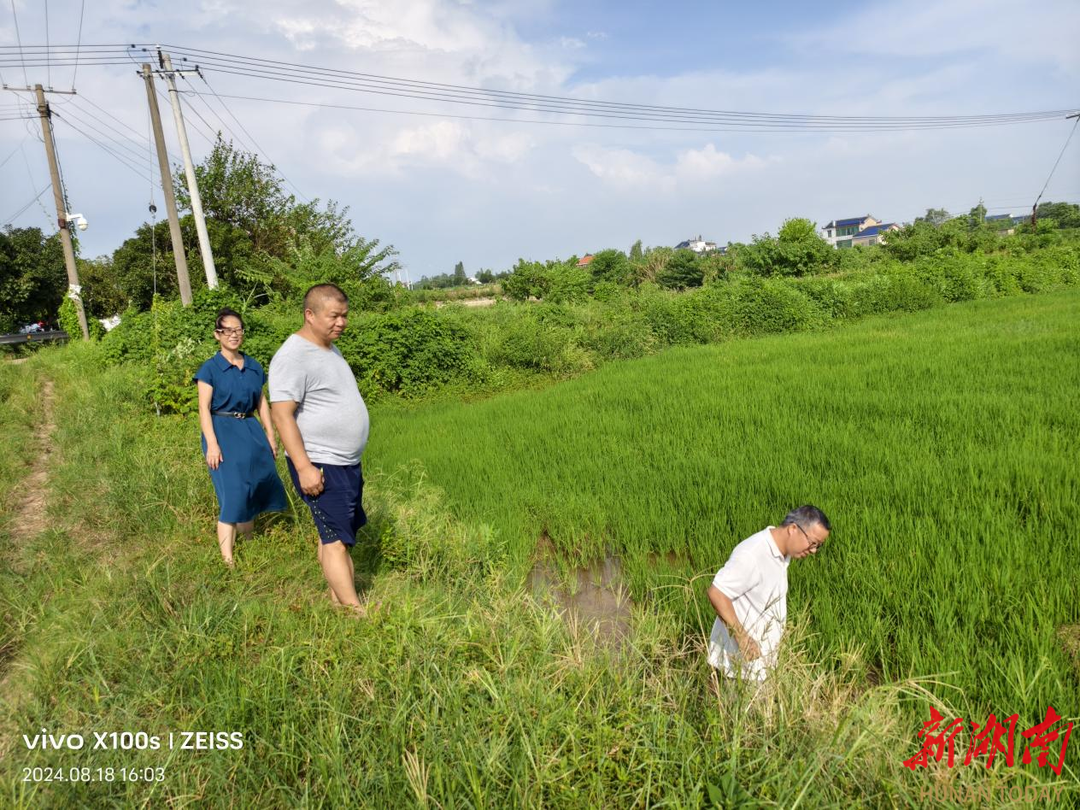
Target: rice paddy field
{"points": [[942, 445]]}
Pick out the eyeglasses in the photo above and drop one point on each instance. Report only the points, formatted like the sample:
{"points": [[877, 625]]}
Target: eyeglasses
{"points": [[813, 544], [230, 332]]}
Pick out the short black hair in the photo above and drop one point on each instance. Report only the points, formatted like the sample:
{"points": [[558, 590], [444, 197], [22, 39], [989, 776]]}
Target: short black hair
{"points": [[224, 313], [806, 516], [323, 292]]}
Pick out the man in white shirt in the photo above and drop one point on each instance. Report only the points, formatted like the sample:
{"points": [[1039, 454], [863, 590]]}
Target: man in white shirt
{"points": [[749, 594]]}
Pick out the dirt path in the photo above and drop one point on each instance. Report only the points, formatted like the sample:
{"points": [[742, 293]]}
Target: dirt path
{"points": [[30, 518], [29, 521]]}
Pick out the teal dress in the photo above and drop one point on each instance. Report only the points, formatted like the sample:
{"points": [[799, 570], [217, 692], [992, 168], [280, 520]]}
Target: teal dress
{"points": [[246, 480]]}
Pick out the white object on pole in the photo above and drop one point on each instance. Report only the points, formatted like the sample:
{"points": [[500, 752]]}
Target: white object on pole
{"points": [[189, 172]]}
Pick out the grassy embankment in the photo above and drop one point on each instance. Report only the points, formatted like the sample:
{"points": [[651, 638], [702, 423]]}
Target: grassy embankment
{"points": [[940, 442]]}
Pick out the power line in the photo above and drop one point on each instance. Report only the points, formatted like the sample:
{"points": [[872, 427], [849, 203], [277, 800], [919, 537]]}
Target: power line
{"points": [[48, 67], [82, 9], [33, 185], [20, 212], [210, 139], [96, 142], [714, 120], [258, 147], [451, 92], [138, 138], [207, 124], [128, 150], [1056, 162], [214, 113], [18, 38], [13, 151]]}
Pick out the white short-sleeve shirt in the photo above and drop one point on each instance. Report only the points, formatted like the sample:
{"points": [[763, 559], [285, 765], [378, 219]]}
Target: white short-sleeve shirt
{"points": [[755, 580]]}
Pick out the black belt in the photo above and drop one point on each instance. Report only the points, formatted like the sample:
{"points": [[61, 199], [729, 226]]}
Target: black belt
{"points": [[234, 414]]}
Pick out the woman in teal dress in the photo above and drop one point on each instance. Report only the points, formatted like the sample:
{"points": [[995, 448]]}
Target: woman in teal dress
{"points": [[239, 449]]}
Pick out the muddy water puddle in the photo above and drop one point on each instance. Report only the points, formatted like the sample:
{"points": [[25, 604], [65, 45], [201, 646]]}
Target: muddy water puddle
{"points": [[594, 597]]}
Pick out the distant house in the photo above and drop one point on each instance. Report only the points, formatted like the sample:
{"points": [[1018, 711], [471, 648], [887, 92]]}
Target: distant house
{"points": [[838, 233], [585, 260], [698, 245], [874, 235]]}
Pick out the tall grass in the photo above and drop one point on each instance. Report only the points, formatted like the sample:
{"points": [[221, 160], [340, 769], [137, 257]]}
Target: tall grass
{"points": [[465, 691]]}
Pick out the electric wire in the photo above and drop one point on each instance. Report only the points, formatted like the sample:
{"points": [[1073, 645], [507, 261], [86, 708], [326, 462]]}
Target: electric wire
{"points": [[207, 124], [118, 157], [13, 151], [208, 138], [441, 92], [33, 185], [131, 134], [215, 114], [118, 146], [1056, 162], [222, 60], [18, 38], [78, 43], [48, 67], [258, 147], [21, 211], [715, 122]]}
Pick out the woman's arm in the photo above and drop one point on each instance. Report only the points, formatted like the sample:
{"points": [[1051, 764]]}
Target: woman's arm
{"points": [[213, 451], [267, 423]]}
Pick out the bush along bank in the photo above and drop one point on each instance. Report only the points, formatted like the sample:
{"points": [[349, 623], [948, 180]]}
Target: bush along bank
{"points": [[413, 352]]}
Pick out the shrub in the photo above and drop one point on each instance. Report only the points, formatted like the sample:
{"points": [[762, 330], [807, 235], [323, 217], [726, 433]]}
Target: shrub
{"points": [[408, 352], [772, 306], [68, 318]]}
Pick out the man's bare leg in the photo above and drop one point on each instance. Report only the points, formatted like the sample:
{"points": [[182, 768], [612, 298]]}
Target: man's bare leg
{"points": [[338, 569], [226, 538], [333, 596]]}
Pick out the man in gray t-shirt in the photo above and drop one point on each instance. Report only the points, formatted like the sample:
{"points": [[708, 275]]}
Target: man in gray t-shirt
{"points": [[323, 423]]}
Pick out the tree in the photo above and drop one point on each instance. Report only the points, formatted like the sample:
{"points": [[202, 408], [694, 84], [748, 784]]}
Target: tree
{"points": [[460, 279], [977, 216], [935, 217], [797, 250], [636, 253], [611, 265], [143, 265], [683, 269], [252, 220], [102, 293], [1064, 215], [33, 279]]}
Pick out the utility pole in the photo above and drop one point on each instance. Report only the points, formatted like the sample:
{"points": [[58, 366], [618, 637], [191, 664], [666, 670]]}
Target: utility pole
{"points": [[167, 188], [189, 171], [62, 219]]}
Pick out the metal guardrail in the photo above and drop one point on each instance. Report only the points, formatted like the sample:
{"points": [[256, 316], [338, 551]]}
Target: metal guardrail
{"points": [[33, 337]]}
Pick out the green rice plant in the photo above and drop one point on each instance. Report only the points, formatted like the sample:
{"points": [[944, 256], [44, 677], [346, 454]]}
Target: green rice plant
{"points": [[936, 441]]}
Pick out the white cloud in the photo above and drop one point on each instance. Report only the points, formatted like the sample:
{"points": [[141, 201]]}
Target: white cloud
{"points": [[1032, 33], [627, 169], [623, 168]]}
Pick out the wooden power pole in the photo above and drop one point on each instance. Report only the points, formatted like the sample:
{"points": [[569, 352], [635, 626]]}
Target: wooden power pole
{"points": [[62, 220], [167, 189]]}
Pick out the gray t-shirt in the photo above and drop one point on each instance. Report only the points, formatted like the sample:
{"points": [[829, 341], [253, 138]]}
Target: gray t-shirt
{"points": [[330, 412]]}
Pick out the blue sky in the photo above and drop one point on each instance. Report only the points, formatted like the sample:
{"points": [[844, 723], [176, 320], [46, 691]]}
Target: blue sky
{"points": [[443, 189]]}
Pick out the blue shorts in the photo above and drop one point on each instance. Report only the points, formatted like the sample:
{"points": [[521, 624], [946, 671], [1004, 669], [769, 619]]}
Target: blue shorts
{"points": [[337, 510]]}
